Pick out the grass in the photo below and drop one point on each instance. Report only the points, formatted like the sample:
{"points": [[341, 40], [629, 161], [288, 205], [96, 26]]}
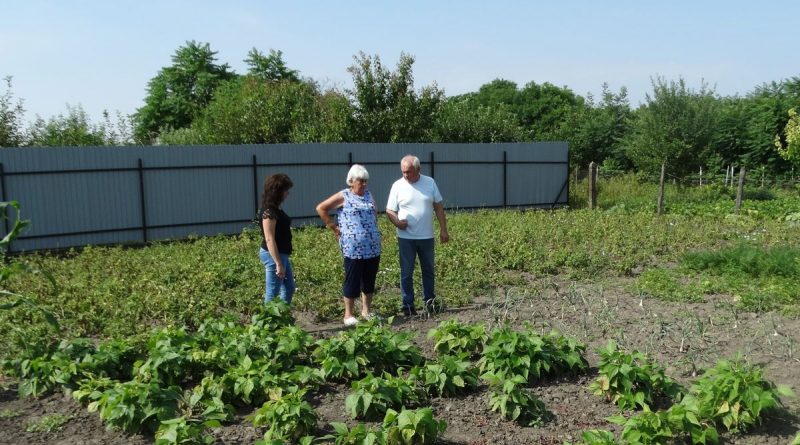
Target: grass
{"points": [[119, 292], [10, 413], [48, 423]]}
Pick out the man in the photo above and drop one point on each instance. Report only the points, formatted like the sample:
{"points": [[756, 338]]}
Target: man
{"points": [[413, 200]]}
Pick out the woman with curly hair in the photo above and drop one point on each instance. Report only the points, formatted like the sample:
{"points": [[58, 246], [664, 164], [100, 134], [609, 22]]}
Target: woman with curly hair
{"points": [[277, 243]]}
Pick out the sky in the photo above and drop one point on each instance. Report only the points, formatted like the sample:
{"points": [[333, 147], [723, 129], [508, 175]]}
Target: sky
{"points": [[100, 54]]}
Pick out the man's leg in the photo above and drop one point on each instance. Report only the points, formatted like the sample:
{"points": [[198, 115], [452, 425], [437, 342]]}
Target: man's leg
{"points": [[426, 262], [407, 256]]}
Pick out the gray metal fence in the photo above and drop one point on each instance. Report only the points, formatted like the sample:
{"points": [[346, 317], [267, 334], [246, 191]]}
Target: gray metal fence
{"points": [[108, 195]]}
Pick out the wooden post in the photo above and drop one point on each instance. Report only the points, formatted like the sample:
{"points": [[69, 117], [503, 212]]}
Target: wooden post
{"points": [[592, 185], [701, 176], [762, 177], [660, 208], [740, 190]]}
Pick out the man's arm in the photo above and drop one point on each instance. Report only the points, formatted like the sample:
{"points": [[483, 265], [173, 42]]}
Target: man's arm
{"points": [[399, 223], [438, 208]]}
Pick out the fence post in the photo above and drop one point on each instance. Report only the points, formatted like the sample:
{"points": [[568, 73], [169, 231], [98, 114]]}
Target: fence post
{"points": [[762, 176], [727, 171], [255, 183], [432, 166], [142, 201], [592, 185], [660, 207], [505, 181], [350, 158], [701, 176], [3, 197], [740, 190]]}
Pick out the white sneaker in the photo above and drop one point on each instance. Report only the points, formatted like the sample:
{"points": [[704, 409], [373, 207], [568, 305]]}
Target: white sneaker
{"points": [[350, 321]]}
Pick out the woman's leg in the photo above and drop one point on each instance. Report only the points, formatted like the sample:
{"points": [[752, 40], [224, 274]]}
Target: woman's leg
{"points": [[272, 282], [288, 285], [370, 272]]}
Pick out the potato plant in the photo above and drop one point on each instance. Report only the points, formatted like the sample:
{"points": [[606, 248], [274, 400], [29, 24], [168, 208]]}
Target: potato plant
{"points": [[631, 381]]}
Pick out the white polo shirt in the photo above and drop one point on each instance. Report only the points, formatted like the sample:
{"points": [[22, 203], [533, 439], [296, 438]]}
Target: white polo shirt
{"points": [[414, 203]]}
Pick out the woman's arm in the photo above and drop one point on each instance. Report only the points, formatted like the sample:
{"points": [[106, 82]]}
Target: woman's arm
{"points": [[269, 236], [325, 207]]}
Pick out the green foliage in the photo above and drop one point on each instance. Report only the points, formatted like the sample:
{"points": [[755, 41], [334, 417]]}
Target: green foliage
{"points": [[530, 355], [8, 413], [48, 423], [136, 406], [791, 150], [734, 394], [386, 106], [370, 345], [250, 110], [509, 398], [288, 415], [372, 396], [453, 337], [358, 435], [447, 376], [179, 92], [460, 121], [747, 259], [75, 129], [412, 427], [675, 126], [666, 285], [270, 68], [632, 381], [11, 118], [181, 430]]}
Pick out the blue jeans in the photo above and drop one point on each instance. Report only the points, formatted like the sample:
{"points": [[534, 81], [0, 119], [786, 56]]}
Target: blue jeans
{"points": [[275, 286], [409, 250]]}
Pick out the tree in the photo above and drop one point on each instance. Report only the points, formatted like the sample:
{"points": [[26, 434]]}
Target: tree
{"points": [[271, 67], [675, 126], [789, 148], [178, 93], [595, 131], [251, 110], [11, 114], [386, 107], [459, 120], [75, 129]]}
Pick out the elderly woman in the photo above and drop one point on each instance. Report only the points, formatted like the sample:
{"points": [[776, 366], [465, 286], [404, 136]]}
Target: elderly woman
{"points": [[359, 240], [277, 243]]}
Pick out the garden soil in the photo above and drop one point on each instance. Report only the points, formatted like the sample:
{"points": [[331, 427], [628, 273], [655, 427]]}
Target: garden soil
{"points": [[683, 338]]}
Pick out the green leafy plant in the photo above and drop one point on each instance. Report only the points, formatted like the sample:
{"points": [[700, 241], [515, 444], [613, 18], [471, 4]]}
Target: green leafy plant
{"points": [[530, 355], [369, 345], [412, 427], [510, 399], [452, 337], [735, 394], [181, 430], [136, 406], [630, 380], [597, 437], [358, 435], [288, 415], [372, 396], [447, 376]]}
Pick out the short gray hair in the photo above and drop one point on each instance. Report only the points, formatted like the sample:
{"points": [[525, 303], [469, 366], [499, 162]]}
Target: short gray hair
{"points": [[412, 159], [357, 172]]}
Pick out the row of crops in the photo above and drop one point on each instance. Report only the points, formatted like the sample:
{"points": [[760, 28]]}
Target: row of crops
{"points": [[181, 385]]}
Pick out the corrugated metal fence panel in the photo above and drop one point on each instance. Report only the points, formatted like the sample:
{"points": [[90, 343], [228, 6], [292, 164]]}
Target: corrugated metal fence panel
{"points": [[208, 190]]}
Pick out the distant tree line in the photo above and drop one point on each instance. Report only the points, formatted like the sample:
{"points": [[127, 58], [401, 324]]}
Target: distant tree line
{"points": [[196, 101]]}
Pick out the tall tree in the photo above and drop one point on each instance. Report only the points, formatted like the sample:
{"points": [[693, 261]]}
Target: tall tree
{"points": [[675, 126], [179, 92], [270, 67], [386, 106], [595, 131], [11, 113]]}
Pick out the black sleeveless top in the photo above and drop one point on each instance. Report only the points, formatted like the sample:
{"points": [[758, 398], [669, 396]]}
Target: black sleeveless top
{"points": [[283, 232]]}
